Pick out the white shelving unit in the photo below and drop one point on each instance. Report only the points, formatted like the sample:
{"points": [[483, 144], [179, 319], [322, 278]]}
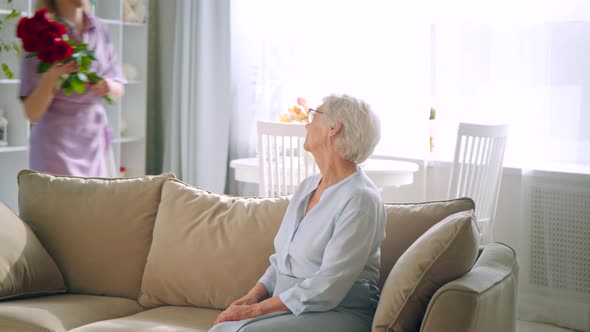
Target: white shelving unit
{"points": [[127, 117]]}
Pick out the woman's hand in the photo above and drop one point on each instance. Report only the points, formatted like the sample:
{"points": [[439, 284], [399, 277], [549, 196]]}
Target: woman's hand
{"points": [[237, 312], [63, 68], [245, 300], [58, 69], [102, 87], [37, 103]]}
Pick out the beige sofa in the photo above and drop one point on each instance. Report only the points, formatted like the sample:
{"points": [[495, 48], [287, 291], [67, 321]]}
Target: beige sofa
{"points": [[155, 254]]}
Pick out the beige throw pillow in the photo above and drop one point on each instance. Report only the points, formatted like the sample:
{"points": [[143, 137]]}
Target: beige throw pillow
{"points": [[97, 230], [445, 252], [406, 222], [208, 250], [25, 267]]}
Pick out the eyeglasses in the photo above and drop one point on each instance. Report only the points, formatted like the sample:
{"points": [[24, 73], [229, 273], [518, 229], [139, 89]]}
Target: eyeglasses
{"points": [[312, 114]]}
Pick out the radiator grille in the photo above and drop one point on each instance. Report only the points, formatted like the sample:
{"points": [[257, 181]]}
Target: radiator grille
{"points": [[560, 236]]}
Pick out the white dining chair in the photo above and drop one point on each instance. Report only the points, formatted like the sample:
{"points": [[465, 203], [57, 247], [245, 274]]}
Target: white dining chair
{"points": [[283, 163], [477, 170]]}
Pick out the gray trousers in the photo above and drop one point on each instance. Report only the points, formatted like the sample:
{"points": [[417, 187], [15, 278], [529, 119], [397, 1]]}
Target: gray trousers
{"points": [[354, 314], [306, 322]]}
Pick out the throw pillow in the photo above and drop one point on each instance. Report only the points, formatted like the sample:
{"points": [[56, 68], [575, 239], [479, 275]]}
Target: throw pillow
{"points": [[25, 267], [406, 222], [445, 252], [208, 249], [97, 230]]}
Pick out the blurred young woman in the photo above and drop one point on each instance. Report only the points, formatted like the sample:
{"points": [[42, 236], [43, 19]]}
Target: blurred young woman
{"points": [[70, 135]]}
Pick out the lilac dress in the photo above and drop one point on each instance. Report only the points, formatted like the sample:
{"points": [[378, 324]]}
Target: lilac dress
{"points": [[72, 137]]}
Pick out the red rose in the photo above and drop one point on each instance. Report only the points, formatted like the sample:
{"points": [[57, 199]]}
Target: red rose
{"points": [[32, 43], [47, 40], [26, 28], [48, 54], [63, 50], [41, 16], [56, 29]]}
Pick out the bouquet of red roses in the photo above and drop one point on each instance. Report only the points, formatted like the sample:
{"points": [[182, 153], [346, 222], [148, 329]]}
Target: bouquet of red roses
{"points": [[47, 40]]}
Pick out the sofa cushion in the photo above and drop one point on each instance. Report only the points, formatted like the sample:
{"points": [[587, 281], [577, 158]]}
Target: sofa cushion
{"points": [[62, 312], [25, 267], [407, 222], [445, 252], [163, 319], [97, 230], [208, 250]]}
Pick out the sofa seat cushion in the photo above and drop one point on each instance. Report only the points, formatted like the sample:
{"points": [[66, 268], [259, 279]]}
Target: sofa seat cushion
{"points": [[208, 250], [98, 231], [58, 313], [25, 267], [163, 319]]}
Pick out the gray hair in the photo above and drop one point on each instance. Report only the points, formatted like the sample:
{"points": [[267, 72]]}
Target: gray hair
{"points": [[361, 128]]}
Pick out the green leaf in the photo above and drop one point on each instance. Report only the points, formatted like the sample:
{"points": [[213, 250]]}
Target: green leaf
{"points": [[43, 67], [77, 84], [93, 78], [91, 55], [13, 14], [32, 55], [85, 62], [16, 48], [7, 71], [78, 60], [67, 86], [109, 99]]}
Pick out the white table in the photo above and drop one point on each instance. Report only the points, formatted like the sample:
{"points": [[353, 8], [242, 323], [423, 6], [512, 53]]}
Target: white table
{"points": [[384, 173]]}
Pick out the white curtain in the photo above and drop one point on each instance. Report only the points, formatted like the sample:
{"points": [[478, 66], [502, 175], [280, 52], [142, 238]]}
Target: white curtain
{"points": [[520, 62], [198, 123]]}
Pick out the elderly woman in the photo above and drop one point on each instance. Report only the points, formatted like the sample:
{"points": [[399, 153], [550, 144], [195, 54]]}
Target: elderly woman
{"points": [[324, 272]]}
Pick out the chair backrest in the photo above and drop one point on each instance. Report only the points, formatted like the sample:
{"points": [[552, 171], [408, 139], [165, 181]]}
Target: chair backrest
{"points": [[283, 163], [477, 169]]}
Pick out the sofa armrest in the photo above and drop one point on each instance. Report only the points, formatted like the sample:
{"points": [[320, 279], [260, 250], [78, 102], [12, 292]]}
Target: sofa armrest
{"points": [[484, 299]]}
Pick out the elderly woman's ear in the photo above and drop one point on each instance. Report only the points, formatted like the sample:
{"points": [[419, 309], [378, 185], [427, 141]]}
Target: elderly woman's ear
{"points": [[336, 127]]}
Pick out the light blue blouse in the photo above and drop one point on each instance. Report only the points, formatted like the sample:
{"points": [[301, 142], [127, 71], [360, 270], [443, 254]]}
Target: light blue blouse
{"points": [[332, 248]]}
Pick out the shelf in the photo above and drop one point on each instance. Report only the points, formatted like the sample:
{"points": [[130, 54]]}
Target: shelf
{"points": [[109, 21], [128, 140], [13, 148], [130, 40], [133, 24], [8, 11]]}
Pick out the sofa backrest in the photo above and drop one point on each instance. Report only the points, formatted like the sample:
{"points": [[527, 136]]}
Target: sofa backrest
{"points": [[210, 249], [407, 222], [98, 231]]}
